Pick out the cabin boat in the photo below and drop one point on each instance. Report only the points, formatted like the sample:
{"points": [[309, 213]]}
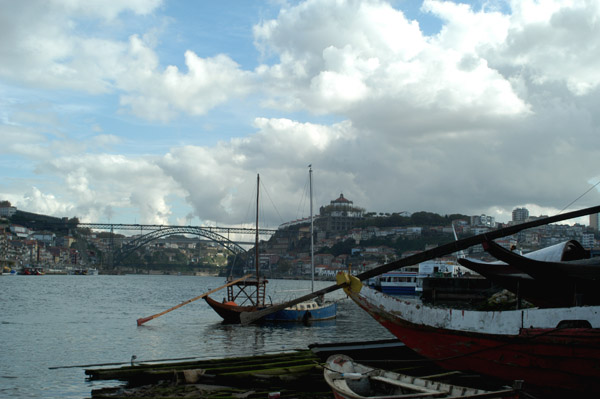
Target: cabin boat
{"points": [[398, 283]]}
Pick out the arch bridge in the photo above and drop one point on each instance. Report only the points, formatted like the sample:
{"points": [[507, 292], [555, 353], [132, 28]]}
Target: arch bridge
{"points": [[159, 231]]}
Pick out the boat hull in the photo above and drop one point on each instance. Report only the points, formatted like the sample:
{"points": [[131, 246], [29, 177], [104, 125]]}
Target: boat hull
{"points": [[228, 312], [231, 313], [565, 358], [326, 312]]}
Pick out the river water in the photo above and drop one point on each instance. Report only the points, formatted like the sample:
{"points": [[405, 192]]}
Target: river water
{"points": [[54, 321]]}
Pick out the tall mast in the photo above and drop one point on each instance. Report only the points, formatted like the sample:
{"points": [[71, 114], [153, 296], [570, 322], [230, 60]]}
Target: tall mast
{"points": [[256, 242], [312, 251]]}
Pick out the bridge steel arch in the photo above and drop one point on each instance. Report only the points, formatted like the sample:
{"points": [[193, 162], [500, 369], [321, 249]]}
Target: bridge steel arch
{"points": [[142, 240]]}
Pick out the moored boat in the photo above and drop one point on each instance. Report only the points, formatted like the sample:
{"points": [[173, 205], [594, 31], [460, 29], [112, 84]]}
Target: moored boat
{"points": [[33, 271], [561, 275], [556, 348], [252, 293], [398, 283], [8, 271], [304, 312], [252, 301], [84, 272], [310, 310], [351, 380]]}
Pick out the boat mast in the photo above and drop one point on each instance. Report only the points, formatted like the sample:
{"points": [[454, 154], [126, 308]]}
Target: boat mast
{"points": [[312, 251], [256, 243]]}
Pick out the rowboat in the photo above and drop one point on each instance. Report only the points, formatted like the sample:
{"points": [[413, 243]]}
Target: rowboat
{"points": [[351, 380], [555, 348]]}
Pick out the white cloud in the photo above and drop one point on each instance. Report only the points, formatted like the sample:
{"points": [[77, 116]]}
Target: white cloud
{"points": [[159, 96], [46, 204], [56, 52], [497, 110], [554, 41], [366, 61]]}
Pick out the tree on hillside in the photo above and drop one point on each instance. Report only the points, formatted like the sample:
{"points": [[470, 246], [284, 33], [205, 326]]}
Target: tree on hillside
{"points": [[339, 248]]}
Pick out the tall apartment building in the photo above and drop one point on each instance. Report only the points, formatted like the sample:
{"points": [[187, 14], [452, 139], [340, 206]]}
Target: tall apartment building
{"points": [[594, 221], [520, 215]]}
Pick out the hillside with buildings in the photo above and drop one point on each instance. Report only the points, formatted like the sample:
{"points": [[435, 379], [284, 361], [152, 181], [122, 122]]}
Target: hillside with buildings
{"points": [[346, 237]]}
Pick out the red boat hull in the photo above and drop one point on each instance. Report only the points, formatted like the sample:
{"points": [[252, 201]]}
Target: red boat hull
{"points": [[565, 359]]}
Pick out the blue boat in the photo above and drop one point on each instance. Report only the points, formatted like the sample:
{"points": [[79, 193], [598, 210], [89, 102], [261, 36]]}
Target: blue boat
{"points": [[305, 312], [309, 310]]}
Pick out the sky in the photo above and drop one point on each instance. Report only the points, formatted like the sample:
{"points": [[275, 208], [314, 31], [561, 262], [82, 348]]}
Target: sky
{"points": [[165, 111]]}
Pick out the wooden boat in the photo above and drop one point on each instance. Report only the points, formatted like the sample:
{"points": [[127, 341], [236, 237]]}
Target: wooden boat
{"points": [[587, 269], [229, 310], [549, 295], [351, 380], [556, 276], [251, 293], [556, 348]]}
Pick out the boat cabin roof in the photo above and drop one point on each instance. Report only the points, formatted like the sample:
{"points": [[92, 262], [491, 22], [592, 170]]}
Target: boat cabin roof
{"points": [[308, 305]]}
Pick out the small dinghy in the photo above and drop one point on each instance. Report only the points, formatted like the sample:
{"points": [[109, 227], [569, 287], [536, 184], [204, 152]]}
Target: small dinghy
{"points": [[351, 380]]}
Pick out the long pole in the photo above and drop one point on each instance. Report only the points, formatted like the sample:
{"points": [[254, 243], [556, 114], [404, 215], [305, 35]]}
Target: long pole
{"points": [[256, 243], [312, 238], [146, 319]]}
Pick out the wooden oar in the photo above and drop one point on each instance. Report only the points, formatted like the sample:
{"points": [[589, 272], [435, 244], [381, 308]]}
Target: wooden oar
{"points": [[442, 250], [146, 319]]}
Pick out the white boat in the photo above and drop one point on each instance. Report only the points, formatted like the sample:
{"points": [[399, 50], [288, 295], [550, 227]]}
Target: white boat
{"points": [[351, 380], [409, 280], [84, 272], [7, 271], [399, 283]]}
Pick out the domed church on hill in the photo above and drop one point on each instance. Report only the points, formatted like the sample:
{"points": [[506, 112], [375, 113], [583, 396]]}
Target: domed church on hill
{"points": [[339, 215]]}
